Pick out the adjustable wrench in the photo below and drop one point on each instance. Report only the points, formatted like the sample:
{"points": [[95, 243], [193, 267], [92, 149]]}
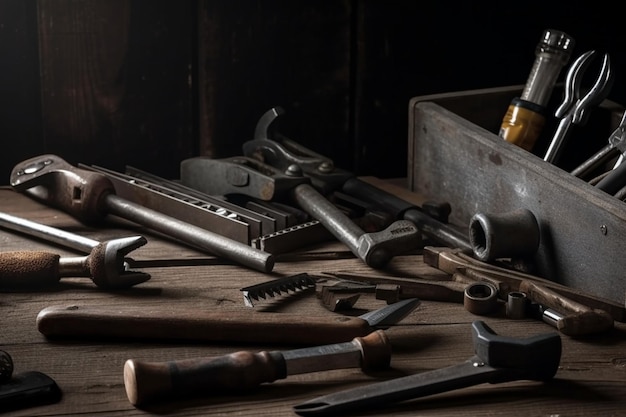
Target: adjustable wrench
{"points": [[497, 359], [375, 249], [90, 196]]}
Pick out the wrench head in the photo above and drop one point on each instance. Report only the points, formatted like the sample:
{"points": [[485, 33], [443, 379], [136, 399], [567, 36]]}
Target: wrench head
{"points": [[376, 249], [108, 263]]}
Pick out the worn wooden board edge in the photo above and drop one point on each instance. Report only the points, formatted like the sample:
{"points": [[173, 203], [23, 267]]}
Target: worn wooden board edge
{"points": [[582, 228]]}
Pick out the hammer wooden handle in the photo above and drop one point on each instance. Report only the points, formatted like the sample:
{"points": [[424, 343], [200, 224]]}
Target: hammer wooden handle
{"points": [[193, 324]]}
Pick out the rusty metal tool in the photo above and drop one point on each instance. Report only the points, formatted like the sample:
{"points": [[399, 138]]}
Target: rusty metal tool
{"points": [[208, 212], [375, 249], [340, 290], [106, 262], [140, 323], [576, 106], [238, 372], [496, 359], [283, 153], [284, 285], [579, 313], [34, 270], [90, 197]]}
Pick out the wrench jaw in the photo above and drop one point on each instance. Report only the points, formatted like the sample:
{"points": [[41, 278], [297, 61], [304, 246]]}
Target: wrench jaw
{"points": [[535, 358], [377, 248], [51, 180], [109, 266]]}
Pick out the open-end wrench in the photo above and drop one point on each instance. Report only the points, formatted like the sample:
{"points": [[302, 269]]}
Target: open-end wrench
{"points": [[375, 249], [90, 197], [147, 382], [497, 359]]}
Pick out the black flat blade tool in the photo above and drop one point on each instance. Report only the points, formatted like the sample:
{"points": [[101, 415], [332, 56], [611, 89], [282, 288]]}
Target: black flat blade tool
{"points": [[497, 359]]}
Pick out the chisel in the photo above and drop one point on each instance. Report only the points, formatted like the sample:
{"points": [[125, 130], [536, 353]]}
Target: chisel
{"points": [[241, 371], [216, 326]]}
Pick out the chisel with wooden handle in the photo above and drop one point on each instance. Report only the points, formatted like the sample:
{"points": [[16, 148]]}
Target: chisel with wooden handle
{"points": [[241, 371], [216, 326]]}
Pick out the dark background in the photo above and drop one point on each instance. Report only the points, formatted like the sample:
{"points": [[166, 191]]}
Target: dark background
{"points": [[148, 83]]}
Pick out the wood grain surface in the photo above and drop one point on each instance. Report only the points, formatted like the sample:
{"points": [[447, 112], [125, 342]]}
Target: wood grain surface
{"points": [[591, 379]]}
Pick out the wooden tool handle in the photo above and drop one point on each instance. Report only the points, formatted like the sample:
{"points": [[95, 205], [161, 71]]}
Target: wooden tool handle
{"points": [[28, 270], [193, 324], [577, 320], [147, 381]]}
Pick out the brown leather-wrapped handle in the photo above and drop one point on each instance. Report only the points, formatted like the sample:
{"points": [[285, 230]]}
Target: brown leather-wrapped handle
{"points": [[28, 270], [239, 371]]}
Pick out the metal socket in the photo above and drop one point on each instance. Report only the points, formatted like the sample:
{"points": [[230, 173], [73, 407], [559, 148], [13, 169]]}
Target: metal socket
{"points": [[505, 235]]}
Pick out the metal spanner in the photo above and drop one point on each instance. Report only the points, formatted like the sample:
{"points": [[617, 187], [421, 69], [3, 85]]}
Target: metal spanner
{"points": [[574, 110], [497, 359], [615, 147]]}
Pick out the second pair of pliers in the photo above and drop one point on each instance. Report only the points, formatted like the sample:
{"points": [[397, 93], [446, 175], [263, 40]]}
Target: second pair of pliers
{"points": [[574, 110]]}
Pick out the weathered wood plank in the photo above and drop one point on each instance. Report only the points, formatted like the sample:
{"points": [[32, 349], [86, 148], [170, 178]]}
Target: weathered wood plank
{"points": [[116, 82], [589, 382]]}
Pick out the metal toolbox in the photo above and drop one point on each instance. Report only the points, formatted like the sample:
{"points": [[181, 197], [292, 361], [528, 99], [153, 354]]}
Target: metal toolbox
{"points": [[454, 155]]}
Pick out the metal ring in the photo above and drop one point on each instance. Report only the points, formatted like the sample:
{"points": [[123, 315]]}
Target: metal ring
{"points": [[480, 298], [516, 304]]}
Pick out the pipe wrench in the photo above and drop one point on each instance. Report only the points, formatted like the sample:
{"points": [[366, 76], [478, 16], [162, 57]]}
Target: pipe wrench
{"points": [[286, 155], [236, 175]]}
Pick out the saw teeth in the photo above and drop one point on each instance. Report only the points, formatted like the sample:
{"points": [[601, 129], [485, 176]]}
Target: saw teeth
{"points": [[294, 283]]}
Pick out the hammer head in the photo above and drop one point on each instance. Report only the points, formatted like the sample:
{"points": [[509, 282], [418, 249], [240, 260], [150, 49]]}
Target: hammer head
{"points": [[108, 263]]}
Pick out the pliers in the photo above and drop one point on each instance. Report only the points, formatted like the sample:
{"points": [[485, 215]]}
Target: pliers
{"points": [[575, 108]]}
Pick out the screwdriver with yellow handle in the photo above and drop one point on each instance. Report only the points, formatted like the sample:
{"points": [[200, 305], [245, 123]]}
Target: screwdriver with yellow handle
{"points": [[526, 115]]}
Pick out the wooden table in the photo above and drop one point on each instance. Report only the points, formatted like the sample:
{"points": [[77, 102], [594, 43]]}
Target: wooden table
{"points": [[591, 379]]}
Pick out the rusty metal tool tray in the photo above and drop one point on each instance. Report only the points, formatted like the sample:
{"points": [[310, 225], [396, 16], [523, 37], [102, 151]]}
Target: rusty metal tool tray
{"points": [[455, 156]]}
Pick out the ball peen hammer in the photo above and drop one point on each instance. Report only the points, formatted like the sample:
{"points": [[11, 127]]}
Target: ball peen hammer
{"points": [[147, 382]]}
